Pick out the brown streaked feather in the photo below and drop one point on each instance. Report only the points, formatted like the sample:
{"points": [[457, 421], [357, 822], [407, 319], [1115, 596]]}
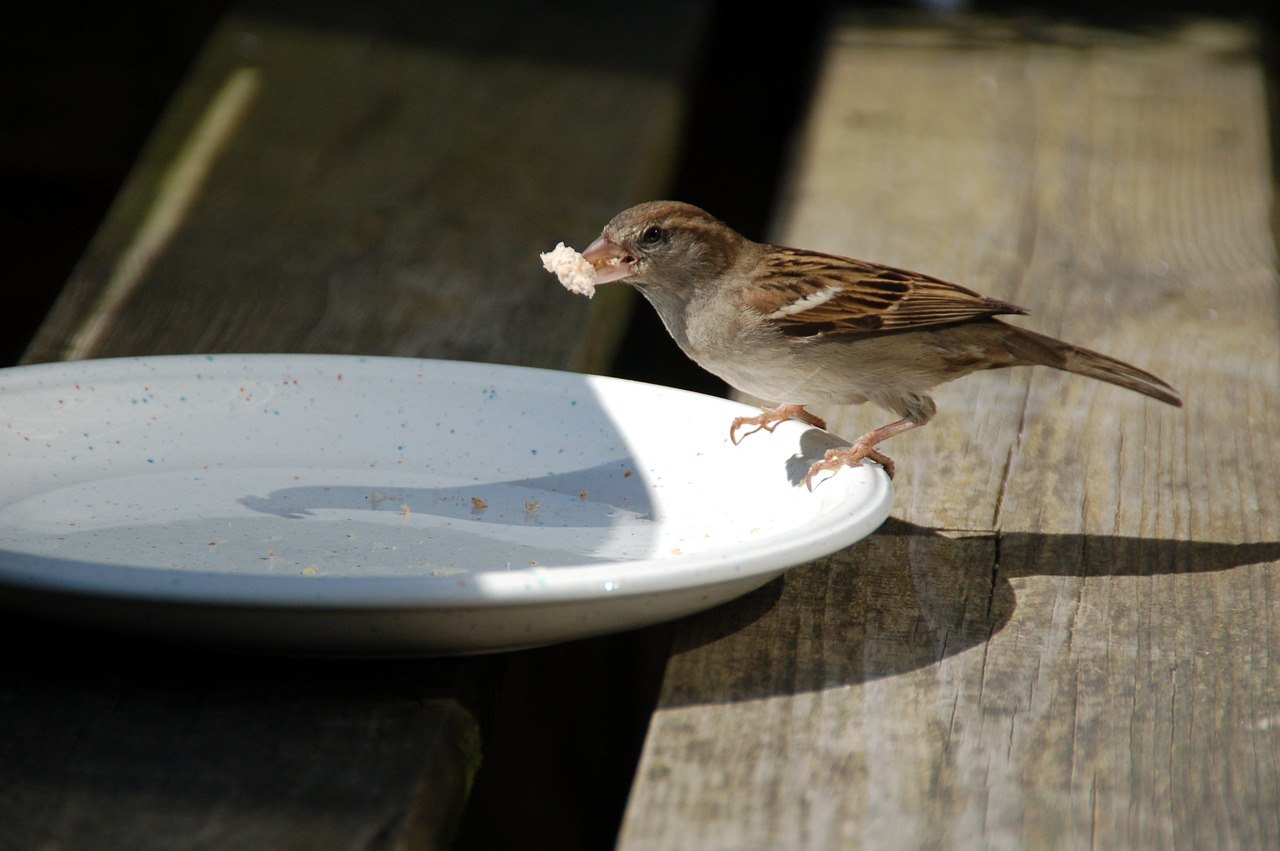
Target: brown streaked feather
{"points": [[870, 297]]}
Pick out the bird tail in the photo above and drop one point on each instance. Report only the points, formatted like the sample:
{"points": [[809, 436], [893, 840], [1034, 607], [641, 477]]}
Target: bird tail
{"points": [[1032, 348]]}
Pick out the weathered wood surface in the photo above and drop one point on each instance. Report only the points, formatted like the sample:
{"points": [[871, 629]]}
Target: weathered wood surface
{"points": [[372, 179], [1064, 637]]}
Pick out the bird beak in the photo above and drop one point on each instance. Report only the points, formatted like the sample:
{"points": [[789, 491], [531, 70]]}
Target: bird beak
{"points": [[612, 262]]}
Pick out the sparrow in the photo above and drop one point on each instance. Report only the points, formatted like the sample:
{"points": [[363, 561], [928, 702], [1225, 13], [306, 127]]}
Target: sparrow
{"points": [[800, 327]]}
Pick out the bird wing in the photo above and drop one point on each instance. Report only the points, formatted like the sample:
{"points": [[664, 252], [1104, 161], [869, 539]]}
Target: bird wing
{"points": [[805, 293]]}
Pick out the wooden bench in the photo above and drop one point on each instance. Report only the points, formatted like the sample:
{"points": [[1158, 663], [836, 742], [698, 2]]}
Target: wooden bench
{"points": [[1065, 635], [343, 179]]}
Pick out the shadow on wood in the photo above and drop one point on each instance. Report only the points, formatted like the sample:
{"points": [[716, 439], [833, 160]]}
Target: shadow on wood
{"points": [[906, 598]]}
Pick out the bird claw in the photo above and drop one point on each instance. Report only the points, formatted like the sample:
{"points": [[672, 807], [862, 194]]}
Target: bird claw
{"points": [[769, 420], [837, 458], [863, 447], [739, 423]]}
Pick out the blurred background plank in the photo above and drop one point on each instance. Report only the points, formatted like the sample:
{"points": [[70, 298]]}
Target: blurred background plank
{"points": [[375, 179]]}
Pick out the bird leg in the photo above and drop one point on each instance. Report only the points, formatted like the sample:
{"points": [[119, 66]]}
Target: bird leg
{"points": [[864, 447], [769, 419]]}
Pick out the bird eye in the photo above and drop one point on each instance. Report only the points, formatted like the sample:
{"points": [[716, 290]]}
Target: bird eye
{"points": [[652, 235]]}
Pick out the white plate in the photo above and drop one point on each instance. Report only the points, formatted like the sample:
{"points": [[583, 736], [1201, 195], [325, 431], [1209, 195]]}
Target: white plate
{"points": [[349, 505]]}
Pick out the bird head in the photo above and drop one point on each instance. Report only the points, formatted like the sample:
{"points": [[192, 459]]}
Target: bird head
{"points": [[663, 245]]}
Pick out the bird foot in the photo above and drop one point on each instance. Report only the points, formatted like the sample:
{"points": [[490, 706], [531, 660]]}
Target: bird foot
{"points": [[769, 419], [837, 458]]}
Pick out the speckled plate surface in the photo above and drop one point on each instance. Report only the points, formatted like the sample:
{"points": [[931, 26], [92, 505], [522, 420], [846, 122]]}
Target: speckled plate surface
{"points": [[385, 506]]}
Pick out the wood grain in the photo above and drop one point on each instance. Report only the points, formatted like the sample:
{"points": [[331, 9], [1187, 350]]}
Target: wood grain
{"points": [[377, 179], [1064, 636]]}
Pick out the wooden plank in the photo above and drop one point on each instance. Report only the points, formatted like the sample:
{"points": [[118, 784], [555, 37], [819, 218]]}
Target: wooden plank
{"points": [[374, 179], [1065, 636], [115, 744], [378, 180]]}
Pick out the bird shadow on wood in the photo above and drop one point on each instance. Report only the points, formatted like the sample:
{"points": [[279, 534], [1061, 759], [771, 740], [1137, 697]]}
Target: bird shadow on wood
{"points": [[903, 599]]}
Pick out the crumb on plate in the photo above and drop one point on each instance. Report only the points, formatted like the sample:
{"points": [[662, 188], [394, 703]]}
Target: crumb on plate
{"points": [[449, 570]]}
